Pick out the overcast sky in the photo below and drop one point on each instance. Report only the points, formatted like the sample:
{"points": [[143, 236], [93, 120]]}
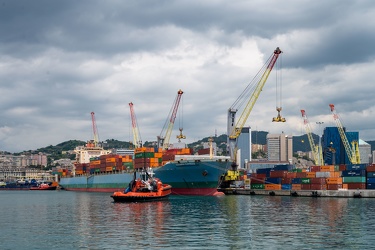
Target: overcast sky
{"points": [[61, 60]]}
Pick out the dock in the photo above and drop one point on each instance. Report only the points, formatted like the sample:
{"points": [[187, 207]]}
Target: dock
{"points": [[341, 193]]}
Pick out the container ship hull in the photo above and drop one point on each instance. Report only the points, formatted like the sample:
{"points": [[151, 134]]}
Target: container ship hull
{"points": [[187, 177]]}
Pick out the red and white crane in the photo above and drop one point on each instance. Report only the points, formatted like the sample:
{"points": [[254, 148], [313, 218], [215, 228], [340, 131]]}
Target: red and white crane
{"points": [[163, 138], [137, 141]]}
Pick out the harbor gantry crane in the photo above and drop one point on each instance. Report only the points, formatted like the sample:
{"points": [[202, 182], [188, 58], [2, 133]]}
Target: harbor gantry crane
{"points": [[316, 150], [351, 151], [137, 141], [253, 89], [95, 130], [165, 135]]}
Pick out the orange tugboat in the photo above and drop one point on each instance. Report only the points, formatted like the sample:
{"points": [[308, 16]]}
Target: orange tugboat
{"points": [[44, 186], [145, 188]]}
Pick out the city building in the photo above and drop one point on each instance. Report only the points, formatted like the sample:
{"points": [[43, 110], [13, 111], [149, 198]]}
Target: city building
{"points": [[280, 147], [244, 147], [364, 151]]}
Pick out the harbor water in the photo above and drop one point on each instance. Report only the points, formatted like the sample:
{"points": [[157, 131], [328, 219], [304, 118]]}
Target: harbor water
{"points": [[78, 220]]}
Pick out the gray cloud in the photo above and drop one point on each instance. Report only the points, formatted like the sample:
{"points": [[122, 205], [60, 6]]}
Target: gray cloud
{"points": [[60, 60]]}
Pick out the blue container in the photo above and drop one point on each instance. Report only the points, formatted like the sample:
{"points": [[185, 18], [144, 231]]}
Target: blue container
{"points": [[286, 186], [356, 166], [370, 186], [273, 180], [296, 181], [264, 171], [370, 174], [348, 173], [370, 180], [284, 167]]}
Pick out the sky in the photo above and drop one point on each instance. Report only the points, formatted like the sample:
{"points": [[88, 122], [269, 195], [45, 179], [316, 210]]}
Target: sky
{"points": [[62, 60]]}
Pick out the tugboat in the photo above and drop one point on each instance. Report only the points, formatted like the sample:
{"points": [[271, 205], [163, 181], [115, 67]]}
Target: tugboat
{"points": [[44, 186], [145, 188]]}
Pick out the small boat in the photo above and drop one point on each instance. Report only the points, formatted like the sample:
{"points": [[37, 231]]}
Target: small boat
{"points": [[146, 188], [44, 186]]}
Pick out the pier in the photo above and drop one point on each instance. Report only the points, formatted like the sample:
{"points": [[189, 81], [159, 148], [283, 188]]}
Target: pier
{"points": [[341, 193]]}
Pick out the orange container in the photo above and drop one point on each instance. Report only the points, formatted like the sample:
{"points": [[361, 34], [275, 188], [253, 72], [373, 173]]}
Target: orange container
{"points": [[272, 186], [296, 186], [334, 180], [310, 174], [108, 169], [335, 174], [110, 159], [327, 168]]}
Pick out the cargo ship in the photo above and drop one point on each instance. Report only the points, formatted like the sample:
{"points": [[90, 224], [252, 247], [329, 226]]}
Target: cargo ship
{"points": [[105, 172]]}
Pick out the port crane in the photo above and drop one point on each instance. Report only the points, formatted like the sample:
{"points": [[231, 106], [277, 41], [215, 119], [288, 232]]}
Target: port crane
{"points": [[316, 150], [137, 141], [351, 151], [165, 135], [253, 89], [95, 130]]}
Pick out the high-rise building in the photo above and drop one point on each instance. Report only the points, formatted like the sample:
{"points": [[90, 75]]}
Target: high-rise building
{"points": [[280, 147], [364, 151], [244, 147]]}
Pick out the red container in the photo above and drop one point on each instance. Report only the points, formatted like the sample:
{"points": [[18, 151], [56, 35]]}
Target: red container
{"points": [[257, 180], [342, 167], [370, 168], [356, 185], [278, 174], [319, 180], [286, 181], [259, 176], [315, 169], [318, 186], [301, 175], [334, 186], [305, 186]]}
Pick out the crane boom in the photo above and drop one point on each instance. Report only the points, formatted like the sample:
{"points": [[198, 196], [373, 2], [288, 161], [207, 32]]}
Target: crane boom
{"points": [[316, 150], [163, 141], [94, 130], [136, 135], [234, 131], [352, 152]]}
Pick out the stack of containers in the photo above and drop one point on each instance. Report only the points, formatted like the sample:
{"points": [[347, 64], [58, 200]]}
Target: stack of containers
{"points": [[146, 157], [81, 168], [94, 165], [170, 154], [113, 162], [354, 176], [370, 177], [258, 180], [127, 162], [142, 157]]}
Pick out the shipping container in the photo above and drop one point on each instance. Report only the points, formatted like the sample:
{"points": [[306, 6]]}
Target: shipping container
{"points": [[256, 186], [296, 186], [272, 186], [356, 185], [347, 173], [354, 179], [334, 180]]}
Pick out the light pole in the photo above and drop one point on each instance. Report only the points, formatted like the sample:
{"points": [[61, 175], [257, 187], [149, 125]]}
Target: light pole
{"points": [[320, 146]]}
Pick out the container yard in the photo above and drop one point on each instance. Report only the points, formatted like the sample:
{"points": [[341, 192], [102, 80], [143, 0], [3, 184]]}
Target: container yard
{"points": [[352, 180]]}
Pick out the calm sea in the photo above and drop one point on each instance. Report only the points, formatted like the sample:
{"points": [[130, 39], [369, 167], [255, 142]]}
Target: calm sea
{"points": [[75, 220]]}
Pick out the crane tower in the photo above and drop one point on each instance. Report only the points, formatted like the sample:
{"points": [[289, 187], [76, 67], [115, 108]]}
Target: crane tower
{"points": [[137, 142], [94, 130], [234, 128], [316, 150], [163, 138]]}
